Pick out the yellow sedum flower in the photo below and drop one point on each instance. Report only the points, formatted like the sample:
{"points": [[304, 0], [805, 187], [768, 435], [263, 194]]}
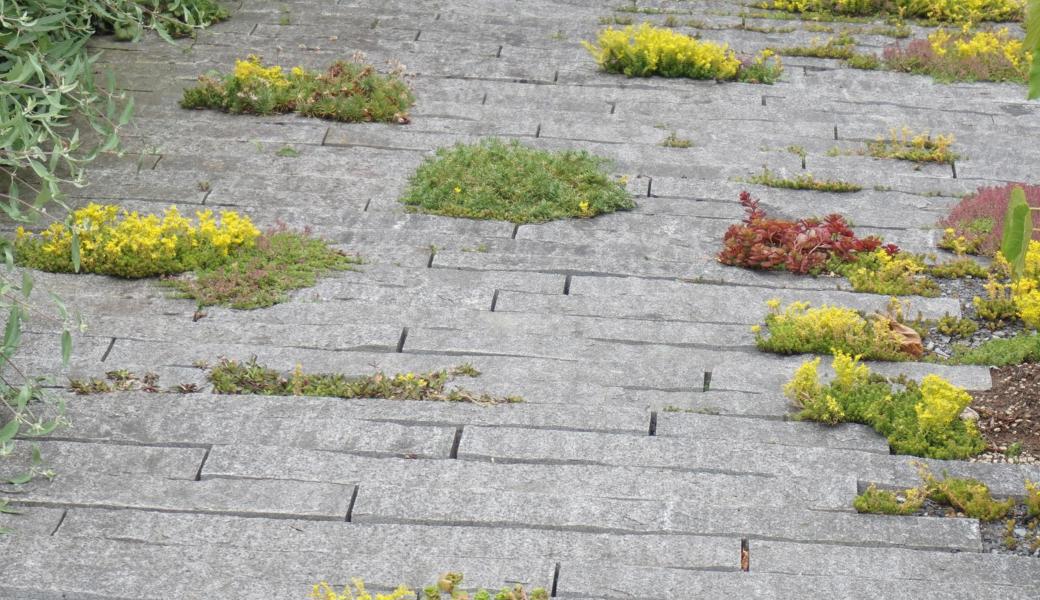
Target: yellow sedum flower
{"points": [[647, 50], [941, 403], [252, 70], [115, 241]]}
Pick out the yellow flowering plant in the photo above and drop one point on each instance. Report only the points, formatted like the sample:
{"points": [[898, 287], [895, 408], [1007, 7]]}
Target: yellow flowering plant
{"points": [[918, 419], [648, 50], [951, 11], [799, 328], [346, 91], [113, 241]]}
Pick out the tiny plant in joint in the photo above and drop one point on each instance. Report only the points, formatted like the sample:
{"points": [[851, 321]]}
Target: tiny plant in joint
{"points": [[232, 261], [508, 181], [250, 377], [904, 144], [922, 419], [447, 587], [347, 91], [647, 50], [802, 182], [969, 497]]}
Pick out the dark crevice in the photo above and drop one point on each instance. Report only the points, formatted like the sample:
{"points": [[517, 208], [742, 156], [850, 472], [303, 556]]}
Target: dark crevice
{"points": [[180, 511], [108, 350], [483, 100], [555, 580], [367, 203], [707, 380], [61, 521], [205, 197], [653, 423], [253, 30], [953, 167], [745, 555], [649, 186], [433, 254], [417, 34], [325, 137], [763, 100], [494, 301], [400, 341], [538, 130], [205, 456], [556, 76], [567, 286], [613, 107], [835, 132], [516, 229], [350, 507], [454, 452], [499, 53]]}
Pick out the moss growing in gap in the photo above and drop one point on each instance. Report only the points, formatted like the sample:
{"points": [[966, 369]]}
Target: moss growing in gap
{"points": [[508, 181], [803, 182], [250, 377]]}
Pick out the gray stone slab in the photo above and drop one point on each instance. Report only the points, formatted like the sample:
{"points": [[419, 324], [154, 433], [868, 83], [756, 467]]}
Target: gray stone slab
{"points": [[389, 540], [173, 419], [608, 515], [32, 521], [704, 488], [762, 431], [77, 567], [109, 459], [895, 564], [581, 580], [285, 499]]}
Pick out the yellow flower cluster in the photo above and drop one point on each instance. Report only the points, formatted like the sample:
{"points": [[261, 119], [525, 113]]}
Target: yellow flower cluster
{"points": [[647, 50], [324, 591], [1026, 290], [967, 11], [941, 403], [805, 385], [118, 242], [981, 44], [252, 69]]}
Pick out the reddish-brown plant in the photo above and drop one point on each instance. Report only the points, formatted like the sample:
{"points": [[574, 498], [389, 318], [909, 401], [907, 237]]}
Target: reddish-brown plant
{"points": [[802, 246], [979, 218]]}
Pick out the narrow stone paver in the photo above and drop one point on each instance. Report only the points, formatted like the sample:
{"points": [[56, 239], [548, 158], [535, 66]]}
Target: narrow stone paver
{"points": [[653, 443]]}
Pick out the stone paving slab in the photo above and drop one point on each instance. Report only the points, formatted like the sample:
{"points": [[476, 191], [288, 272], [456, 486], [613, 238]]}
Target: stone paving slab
{"points": [[653, 438]]}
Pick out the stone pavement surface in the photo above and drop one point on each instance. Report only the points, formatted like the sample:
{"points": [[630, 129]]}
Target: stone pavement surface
{"points": [[590, 488]]}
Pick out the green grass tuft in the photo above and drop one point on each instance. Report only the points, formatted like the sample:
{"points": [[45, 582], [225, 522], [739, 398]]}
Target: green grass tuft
{"points": [[1023, 348], [508, 181], [263, 275]]}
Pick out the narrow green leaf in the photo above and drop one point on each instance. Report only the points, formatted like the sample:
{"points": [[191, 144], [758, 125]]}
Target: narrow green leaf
{"points": [[21, 479], [9, 431], [27, 284], [66, 347], [75, 250]]}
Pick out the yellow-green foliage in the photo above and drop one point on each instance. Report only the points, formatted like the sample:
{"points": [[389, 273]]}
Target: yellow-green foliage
{"points": [[324, 591], [114, 241], [799, 329], [887, 502], [941, 403], [968, 496], [905, 144], [920, 420], [879, 272], [648, 50], [999, 304], [1032, 499], [1026, 290], [955, 11], [346, 91]]}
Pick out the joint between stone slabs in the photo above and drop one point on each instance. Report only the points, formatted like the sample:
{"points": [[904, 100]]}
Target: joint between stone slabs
{"points": [[499, 53], [417, 34], [555, 580], [353, 500], [179, 511], [325, 137], [613, 107], [953, 167], [367, 203], [61, 521], [108, 350], [516, 229], [707, 381], [253, 30], [202, 463], [649, 186], [653, 424], [835, 132], [483, 101], [401, 340], [745, 555], [455, 441], [494, 301], [538, 131], [433, 254], [567, 285]]}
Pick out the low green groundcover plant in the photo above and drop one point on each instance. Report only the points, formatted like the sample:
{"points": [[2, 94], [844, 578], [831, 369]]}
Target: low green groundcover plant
{"points": [[968, 496], [955, 11], [447, 587], [232, 261], [647, 50], [250, 377], [801, 329], [346, 91], [261, 275], [922, 419], [508, 181], [1022, 348], [803, 182], [958, 56]]}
